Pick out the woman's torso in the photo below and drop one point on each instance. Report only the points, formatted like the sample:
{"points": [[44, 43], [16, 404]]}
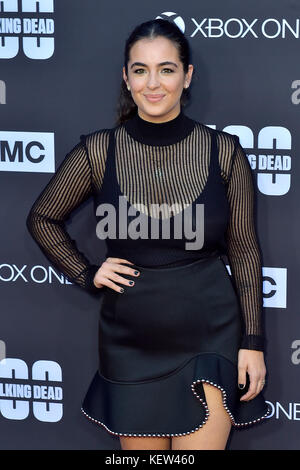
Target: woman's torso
{"points": [[176, 163]]}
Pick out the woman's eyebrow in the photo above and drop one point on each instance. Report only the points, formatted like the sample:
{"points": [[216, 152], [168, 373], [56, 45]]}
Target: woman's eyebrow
{"points": [[161, 63]]}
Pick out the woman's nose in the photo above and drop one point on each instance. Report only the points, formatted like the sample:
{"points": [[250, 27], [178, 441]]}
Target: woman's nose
{"points": [[153, 81]]}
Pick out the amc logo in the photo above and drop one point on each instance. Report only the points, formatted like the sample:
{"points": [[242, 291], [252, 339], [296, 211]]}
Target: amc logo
{"points": [[27, 151], [275, 287]]}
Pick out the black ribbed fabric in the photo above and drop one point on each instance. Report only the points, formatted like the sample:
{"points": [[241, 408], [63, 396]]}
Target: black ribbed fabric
{"points": [[181, 148]]}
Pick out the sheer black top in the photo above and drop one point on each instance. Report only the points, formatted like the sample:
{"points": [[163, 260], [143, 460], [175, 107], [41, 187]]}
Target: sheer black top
{"points": [[179, 150]]}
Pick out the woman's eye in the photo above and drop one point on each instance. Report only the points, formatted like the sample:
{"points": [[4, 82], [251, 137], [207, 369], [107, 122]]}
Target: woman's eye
{"points": [[142, 70]]}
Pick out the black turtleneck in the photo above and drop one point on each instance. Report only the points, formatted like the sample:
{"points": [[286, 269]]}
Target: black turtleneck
{"points": [[162, 133]]}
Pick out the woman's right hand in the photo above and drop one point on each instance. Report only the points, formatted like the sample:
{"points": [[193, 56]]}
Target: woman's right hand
{"points": [[107, 273]]}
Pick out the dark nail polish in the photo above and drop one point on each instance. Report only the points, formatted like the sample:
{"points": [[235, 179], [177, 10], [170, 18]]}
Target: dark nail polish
{"points": [[241, 386], [136, 273], [131, 282], [122, 290]]}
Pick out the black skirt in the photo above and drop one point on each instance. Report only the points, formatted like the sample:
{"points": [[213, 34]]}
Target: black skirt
{"points": [[159, 341]]}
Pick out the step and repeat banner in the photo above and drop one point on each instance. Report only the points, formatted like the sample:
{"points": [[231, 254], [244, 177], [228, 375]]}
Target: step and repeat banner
{"points": [[60, 75]]}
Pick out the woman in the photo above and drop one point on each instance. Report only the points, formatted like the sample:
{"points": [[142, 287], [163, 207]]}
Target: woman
{"points": [[181, 345]]}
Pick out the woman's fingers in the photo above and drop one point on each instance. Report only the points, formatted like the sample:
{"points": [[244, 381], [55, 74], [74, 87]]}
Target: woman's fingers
{"points": [[256, 386], [260, 386], [117, 260], [251, 363], [261, 381], [242, 377], [252, 389], [107, 274]]}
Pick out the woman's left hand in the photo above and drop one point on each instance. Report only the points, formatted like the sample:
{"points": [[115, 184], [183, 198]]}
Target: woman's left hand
{"points": [[251, 361]]}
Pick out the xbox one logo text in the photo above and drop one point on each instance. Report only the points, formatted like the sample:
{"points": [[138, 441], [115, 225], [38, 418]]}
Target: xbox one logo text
{"points": [[26, 26], [235, 28]]}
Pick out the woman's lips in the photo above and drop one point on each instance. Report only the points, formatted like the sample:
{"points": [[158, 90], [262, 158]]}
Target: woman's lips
{"points": [[154, 98]]}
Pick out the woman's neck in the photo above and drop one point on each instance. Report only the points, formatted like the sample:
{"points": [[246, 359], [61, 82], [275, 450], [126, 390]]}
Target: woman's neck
{"points": [[159, 133]]}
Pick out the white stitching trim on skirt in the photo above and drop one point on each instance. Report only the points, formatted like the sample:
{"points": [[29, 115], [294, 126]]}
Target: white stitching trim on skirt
{"points": [[188, 432]]}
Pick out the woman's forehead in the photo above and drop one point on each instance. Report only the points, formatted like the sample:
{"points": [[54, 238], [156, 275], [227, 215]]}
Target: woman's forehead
{"points": [[158, 48]]}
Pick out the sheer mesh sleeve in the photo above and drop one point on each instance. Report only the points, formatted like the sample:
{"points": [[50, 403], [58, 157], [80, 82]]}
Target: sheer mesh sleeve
{"points": [[243, 249], [67, 189]]}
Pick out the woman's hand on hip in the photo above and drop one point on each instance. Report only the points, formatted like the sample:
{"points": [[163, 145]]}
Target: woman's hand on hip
{"points": [[107, 274], [251, 361]]}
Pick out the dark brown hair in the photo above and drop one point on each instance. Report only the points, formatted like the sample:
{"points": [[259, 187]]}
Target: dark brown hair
{"points": [[152, 29]]}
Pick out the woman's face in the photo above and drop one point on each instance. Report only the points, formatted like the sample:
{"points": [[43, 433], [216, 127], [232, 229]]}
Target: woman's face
{"points": [[155, 69]]}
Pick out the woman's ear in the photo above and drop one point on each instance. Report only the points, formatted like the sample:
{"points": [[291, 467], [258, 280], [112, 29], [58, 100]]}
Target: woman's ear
{"points": [[125, 76], [188, 76]]}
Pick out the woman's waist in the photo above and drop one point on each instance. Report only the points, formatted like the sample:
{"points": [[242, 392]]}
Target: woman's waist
{"points": [[163, 261]]}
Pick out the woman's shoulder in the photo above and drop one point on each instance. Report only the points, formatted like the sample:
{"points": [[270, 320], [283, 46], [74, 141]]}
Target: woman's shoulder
{"points": [[226, 141], [95, 134], [96, 139], [96, 144], [220, 134]]}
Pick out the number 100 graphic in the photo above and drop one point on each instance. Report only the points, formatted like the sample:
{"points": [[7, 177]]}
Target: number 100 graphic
{"points": [[18, 393], [33, 36]]}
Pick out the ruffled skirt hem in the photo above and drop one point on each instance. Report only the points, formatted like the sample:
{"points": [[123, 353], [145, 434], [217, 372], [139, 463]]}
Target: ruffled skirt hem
{"points": [[169, 405]]}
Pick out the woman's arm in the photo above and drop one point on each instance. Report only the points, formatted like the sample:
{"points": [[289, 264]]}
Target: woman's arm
{"points": [[71, 184], [243, 249]]}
